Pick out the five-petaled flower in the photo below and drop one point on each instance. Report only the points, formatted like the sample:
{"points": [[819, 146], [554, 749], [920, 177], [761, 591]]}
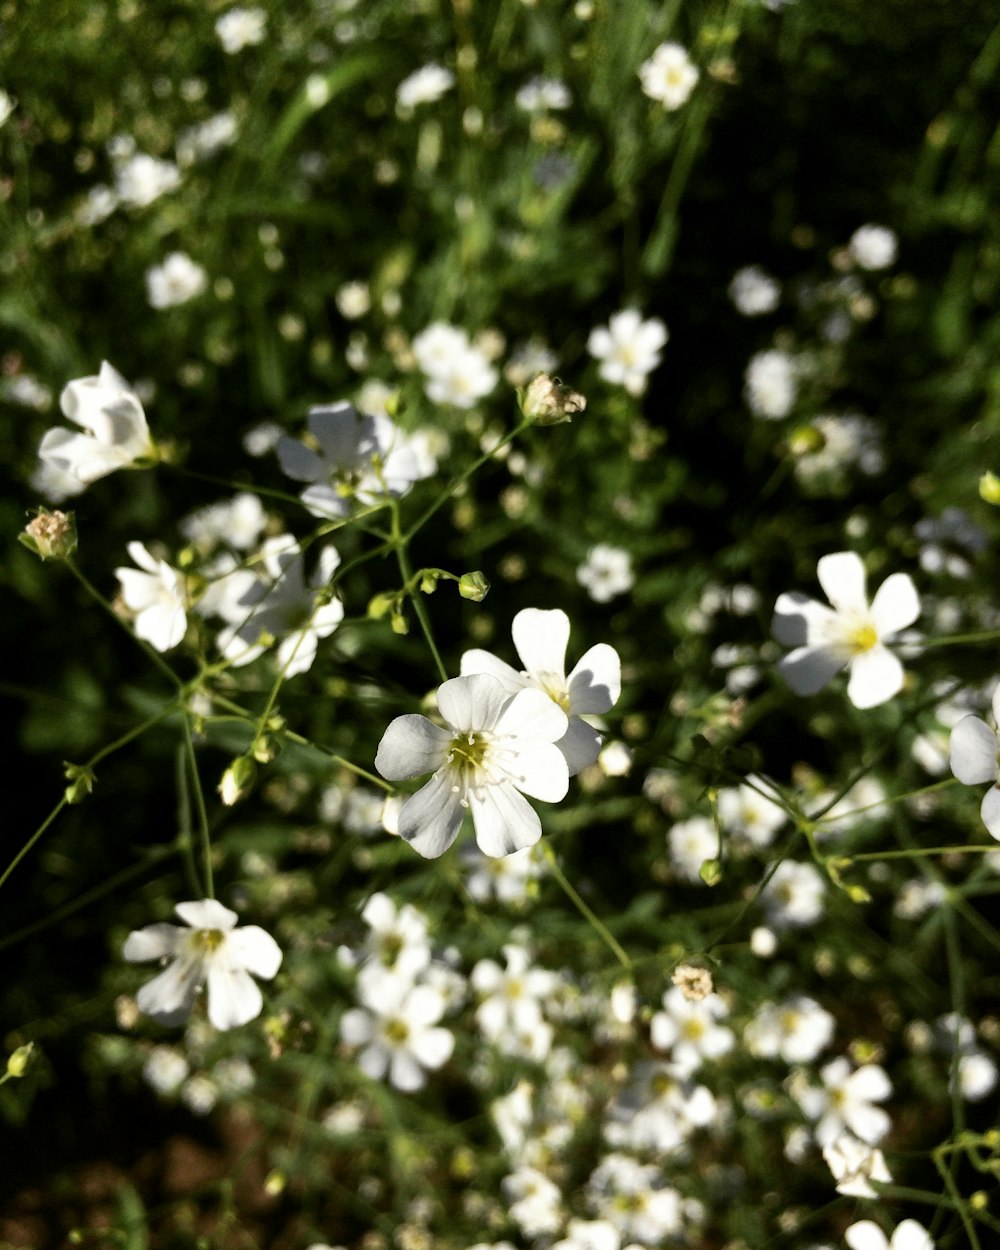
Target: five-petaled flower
{"points": [[494, 750], [852, 634], [593, 687], [211, 949], [975, 758]]}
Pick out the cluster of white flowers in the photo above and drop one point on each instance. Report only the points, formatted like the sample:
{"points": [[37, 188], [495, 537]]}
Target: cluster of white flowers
{"points": [[423, 86], [457, 372], [771, 384], [754, 292], [241, 28], [176, 281]]}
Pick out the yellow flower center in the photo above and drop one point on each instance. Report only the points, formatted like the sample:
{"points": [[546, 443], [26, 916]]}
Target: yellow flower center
{"points": [[468, 751], [209, 939], [863, 638]]}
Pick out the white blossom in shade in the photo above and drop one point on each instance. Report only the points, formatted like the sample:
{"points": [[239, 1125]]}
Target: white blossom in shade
{"points": [[975, 1075], [115, 434], [7, 106], [509, 880], [260, 439], [199, 1094], [97, 205], [397, 937], [155, 593], [165, 1069], [846, 1102], [359, 460], [632, 1196], [754, 292], [397, 1028], [539, 95], [659, 1109], [456, 371], [423, 86], [589, 1235], [198, 143], [512, 1115], [690, 843], [511, 998], [854, 1166], [241, 28], [275, 601], [747, 812], [974, 754], [628, 349], [606, 572], [528, 360], [211, 949], [353, 300], [534, 1202], [495, 749], [918, 897], [669, 76], [873, 247], [795, 1030], [909, 1235], [770, 384], [851, 634], [237, 523], [846, 442], [176, 281], [592, 687], [690, 1029], [141, 179], [794, 894]]}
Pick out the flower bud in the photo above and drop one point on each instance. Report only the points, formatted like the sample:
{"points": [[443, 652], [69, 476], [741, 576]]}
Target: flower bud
{"points": [[18, 1062], [989, 488], [548, 402], [399, 623], [265, 749], [51, 535], [473, 586], [81, 781], [237, 781], [710, 872], [380, 606]]}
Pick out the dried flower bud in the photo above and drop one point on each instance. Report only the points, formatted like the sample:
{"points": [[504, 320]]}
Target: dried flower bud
{"points": [[548, 402], [693, 981], [51, 535]]}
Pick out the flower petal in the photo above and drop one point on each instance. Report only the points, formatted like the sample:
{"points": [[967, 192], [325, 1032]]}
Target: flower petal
{"points": [[808, 669], [170, 996], [532, 716], [596, 682], [990, 811], [233, 996], [155, 941], [973, 751], [505, 821], [842, 576], [433, 1047], [800, 621], [471, 703], [876, 675], [411, 745], [298, 461], [911, 1235], [208, 913], [476, 661], [865, 1235], [254, 949], [895, 606], [431, 818], [580, 745], [541, 771], [541, 637]]}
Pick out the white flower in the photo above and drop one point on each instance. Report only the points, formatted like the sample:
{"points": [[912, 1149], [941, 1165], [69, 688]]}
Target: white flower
{"points": [[495, 750], [669, 75], [753, 291], [174, 282], [628, 349], [540, 94], [509, 880], [795, 1030], [115, 431], [423, 86], [361, 459], [397, 939], [855, 1165], [873, 247], [770, 385], [241, 28], [205, 139], [155, 593], [236, 522], [511, 998], [850, 635], [659, 1109], [846, 1102], [141, 179], [745, 811], [397, 1028], [690, 843], [974, 752], [866, 1235], [689, 1029], [535, 1202], [7, 106], [606, 572], [793, 896], [592, 688], [631, 1195], [211, 949], [165, 1069], [278, 605], [457, 372]]}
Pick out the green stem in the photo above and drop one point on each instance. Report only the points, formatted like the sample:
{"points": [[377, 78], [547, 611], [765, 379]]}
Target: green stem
{"points": [[199, 798], [598, 925], [416, 599]]}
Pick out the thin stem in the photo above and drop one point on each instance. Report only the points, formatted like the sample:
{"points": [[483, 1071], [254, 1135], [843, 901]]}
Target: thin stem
{"points": [[585, 911], [199, 798], [889, 800], [406, 572]]}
